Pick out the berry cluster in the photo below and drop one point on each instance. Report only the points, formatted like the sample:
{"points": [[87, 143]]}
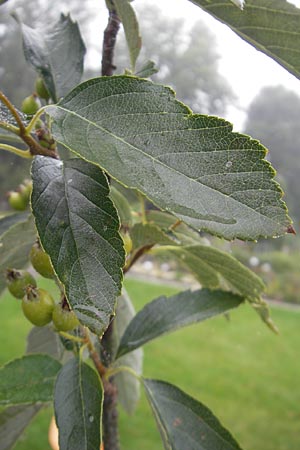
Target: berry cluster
{"points": [[38, 305]]}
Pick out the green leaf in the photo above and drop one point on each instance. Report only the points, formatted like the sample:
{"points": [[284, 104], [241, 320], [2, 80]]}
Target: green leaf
{"points": [[191, 165], [11, 219], [7, 117], [209, 264], [28, 379], [131, 28], [56, 52], [164, 315], [148, 234], [13, 421], [78, 406], [185, 423], [174, 228], [15, 245], [78, 227], [128, 385], [271, 26], [122, 206], [147, 70], [44, 340]]}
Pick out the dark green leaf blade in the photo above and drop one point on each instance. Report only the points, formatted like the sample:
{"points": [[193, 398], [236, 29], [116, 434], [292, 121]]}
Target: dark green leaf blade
{"points": [[78, 406], [164, 315], [46, 48], [15, 245], [271, 26], [78, 227], [131, 28], [13, 421], [185, 423], [28, 379], [193, 166]]}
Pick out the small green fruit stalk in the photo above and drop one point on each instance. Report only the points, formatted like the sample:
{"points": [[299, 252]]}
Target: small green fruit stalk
{"points": [[38, 306], [17, 282], [41, 89], [41, 261], [63, 318], [31, 105]]}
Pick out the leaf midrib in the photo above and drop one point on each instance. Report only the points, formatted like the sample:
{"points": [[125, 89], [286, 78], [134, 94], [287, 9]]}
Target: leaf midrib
{"points": [[146, 155]]}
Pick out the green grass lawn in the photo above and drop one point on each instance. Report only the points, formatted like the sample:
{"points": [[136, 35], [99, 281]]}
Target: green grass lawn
{"points": [[249, 377]]}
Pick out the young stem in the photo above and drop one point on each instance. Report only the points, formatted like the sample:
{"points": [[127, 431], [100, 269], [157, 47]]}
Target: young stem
{"points": [[109, 42], [16, 151], [13, 110], [11, 128], [110, 413], [33, 121]]}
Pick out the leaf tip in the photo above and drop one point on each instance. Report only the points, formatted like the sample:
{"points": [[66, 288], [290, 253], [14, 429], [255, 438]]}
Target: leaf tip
{"points": [[291, 230]]}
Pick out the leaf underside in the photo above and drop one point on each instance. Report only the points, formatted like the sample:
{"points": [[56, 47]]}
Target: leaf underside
{"points": [[56, 52], [128, 386], [78, 227], [191, 165], [271, 26]]}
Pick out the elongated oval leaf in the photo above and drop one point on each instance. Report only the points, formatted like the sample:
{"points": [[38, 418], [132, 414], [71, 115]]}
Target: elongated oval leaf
{"points": [[185, 423], [271, 26], [169, 314], [209, 264], [128, 385], [56, 52], [15, 245], [78, 406], [192, 165], [13, 421], [78, 227], [28, 379], [131, 28]]}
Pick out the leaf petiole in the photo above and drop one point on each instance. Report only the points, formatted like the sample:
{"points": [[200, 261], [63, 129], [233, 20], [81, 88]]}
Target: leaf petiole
{"points": [[16, 151], [115, 370]]}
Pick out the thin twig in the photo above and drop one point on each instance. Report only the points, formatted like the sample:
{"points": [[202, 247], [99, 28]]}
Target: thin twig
{"points": [[109, 42]]}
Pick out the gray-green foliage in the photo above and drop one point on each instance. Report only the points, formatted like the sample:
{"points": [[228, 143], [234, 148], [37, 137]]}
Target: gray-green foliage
{"points": [[78, 227], [213, 179], [201, 174], [272, 26]]}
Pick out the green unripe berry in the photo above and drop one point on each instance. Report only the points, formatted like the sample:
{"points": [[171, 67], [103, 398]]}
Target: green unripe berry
{"points": [[38, 306], [25, 190], [41, 261], [17, 282], [64, 319], [41, 89], [127, 242], [16, 201], [30, 105]]}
